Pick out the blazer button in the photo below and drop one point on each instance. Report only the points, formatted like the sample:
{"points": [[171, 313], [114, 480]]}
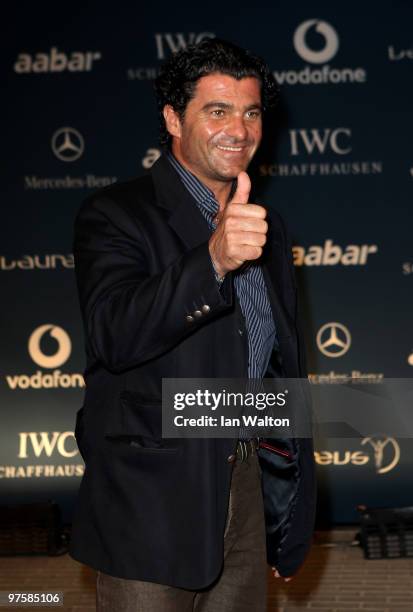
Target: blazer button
{"points": [[197, 314], [190, 318], [205, 309], [231, 458]]}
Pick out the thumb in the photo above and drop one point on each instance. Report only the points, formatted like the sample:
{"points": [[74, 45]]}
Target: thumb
{"points": [[242, 192]]}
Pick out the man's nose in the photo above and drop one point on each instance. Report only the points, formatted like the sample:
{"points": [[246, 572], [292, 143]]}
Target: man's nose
{"points": [[237, 128]]}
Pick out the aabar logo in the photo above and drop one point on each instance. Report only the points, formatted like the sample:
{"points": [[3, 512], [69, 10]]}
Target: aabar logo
{"points": [[320, 141], [56, 61], [62, 348], [150, 158], [385, 454], [330, 254], [333, 339], [39, 443], [330, 40], [62, 353], [172, 42]]}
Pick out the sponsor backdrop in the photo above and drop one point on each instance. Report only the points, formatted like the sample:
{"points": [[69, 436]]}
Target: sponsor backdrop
{"points": [[337, 162]]}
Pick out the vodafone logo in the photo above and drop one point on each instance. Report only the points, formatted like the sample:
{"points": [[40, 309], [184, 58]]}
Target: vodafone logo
{"points": [[53, 378], [63, 350], [316, 42], [331, 41]]}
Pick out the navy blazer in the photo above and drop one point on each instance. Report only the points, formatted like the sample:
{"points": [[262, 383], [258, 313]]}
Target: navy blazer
{"points": [[149, 508]]}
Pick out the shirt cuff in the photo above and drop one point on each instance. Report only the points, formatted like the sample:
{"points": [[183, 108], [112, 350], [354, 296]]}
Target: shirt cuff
{"points": [[218, 278]]}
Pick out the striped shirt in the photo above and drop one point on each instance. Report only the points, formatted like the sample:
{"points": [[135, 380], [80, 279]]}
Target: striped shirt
{"points": [[249, 283]]}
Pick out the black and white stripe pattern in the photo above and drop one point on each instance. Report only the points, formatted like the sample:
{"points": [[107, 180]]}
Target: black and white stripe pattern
{"points": [[248, 282]]}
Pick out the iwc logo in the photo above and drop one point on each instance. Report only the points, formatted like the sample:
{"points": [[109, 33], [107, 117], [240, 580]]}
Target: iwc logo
{"points": [[323, 152], [67, 144], [333, 339], [329, 34], [50, 446]]}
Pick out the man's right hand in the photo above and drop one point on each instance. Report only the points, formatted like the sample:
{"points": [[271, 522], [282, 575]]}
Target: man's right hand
{"points": [[241, 232]]}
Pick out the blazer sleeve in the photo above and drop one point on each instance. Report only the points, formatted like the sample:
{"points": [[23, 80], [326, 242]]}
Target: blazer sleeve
{"points": [[130, 315]]}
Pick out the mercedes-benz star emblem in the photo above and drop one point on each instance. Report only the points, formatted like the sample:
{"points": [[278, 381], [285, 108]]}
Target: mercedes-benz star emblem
{"points": [[67, 144], [333, 339]]}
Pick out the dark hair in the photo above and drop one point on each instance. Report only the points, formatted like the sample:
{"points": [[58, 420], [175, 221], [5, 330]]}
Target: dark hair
{"points": [[178, 76]]}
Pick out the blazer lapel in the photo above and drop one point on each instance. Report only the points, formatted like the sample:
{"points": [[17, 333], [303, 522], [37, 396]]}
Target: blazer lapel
{"points": [[185, 217]]}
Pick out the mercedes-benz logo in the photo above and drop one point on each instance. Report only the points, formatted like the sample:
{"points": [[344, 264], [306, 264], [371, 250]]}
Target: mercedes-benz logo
{"points": [[67, 144], [333, 339]]}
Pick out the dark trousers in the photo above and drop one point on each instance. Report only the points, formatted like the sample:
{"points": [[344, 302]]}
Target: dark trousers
{"points": [[242, 584]]}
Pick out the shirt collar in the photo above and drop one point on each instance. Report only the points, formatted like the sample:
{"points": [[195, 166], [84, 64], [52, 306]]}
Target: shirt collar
{"points": [[197, 189]]}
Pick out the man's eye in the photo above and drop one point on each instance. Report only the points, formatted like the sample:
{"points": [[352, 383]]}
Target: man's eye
{"points": [[218, 112], [253, 114]]}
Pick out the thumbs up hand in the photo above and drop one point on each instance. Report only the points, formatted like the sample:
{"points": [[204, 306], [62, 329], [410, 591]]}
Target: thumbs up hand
{"points": [[241, 232]]}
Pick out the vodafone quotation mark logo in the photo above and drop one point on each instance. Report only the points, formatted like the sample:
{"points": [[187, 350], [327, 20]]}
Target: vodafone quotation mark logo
{"points": [[63, 351], [317, 42], [333, 339], [331, 41], [52, 378], [67, 144]]}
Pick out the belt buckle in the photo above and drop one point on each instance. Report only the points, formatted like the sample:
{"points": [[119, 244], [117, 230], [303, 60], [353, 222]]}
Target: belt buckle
{"points": [[244, 449]]}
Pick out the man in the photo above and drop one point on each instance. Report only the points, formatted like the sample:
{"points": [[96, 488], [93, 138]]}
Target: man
{"points": [[180, 275]]}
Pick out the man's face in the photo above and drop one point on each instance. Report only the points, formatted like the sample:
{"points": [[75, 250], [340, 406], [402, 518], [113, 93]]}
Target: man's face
{"points": [[221, 129]]}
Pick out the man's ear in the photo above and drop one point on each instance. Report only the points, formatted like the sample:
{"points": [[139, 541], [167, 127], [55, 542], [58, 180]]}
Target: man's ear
{"points": [[172, 121]]}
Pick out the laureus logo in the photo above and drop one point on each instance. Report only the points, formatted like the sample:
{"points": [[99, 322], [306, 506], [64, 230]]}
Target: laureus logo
{"points": [[386, 452], [333, 339], [62, 353], [328, 33], [385, 455], [62, 349]]}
